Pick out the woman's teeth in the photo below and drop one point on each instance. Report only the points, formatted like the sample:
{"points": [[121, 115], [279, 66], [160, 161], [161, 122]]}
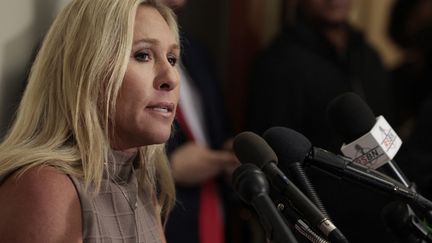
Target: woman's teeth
{"points": [[165, 110]]}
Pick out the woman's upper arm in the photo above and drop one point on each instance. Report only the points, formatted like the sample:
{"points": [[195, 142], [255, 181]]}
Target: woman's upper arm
{"points": [[40, 206]]}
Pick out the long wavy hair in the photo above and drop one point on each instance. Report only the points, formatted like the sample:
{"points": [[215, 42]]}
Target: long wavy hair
{"points": [[67, 108]]}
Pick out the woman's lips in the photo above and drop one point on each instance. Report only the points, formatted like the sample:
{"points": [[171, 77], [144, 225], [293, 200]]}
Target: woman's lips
{"points": [[163, 108]]}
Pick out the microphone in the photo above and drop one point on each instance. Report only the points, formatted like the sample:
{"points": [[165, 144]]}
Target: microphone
{"points": [[368, 140], [251, 148], [293, 165], [340, 167], [251, 185]]}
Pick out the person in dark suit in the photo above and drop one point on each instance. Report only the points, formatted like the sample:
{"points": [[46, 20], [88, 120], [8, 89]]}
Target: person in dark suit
{"points": [[199, 153], [313, 60], [194, 162]]}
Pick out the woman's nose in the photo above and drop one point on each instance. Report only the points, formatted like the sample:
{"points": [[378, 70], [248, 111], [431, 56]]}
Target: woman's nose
{"points": [[167, 78]]}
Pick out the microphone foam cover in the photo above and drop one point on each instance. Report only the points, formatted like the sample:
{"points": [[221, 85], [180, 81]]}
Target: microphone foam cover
{"points": [[251, 148], [350, 116], [289, 145]]}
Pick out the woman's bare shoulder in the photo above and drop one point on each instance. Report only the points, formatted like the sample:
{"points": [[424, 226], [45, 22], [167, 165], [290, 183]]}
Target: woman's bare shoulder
{"points": [[41, 205]]}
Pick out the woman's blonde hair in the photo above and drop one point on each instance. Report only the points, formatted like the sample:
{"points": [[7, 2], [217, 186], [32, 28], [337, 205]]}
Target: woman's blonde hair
{"points": [[68, 105]]}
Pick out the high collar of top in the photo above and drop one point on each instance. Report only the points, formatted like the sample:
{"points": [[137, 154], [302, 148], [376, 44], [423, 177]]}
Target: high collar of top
{"points": [[120, 165]]}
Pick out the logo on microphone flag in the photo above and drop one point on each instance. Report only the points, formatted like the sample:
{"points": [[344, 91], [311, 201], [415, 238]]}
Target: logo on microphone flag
{"points": [[376, 147]]}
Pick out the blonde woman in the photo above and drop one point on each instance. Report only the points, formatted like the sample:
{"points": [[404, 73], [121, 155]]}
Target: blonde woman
{"points": [[84, 159]]}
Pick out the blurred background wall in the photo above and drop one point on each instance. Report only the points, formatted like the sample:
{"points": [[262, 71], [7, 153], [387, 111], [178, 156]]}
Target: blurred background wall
{"points": [[233, 30], [372, 17], [22, 26]]}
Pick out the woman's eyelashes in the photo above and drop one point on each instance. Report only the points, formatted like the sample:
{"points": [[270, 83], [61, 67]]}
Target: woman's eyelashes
{"points": [[146, 56], [142, 56], [172, 59]]}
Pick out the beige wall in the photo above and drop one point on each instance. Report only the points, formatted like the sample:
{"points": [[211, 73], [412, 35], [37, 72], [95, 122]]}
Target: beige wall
{"points": [[266, 17], [22, 25], [372, 17]]}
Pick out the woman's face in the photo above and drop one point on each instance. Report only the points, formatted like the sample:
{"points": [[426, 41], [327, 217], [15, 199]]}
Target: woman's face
{"points": [[149, 94]]}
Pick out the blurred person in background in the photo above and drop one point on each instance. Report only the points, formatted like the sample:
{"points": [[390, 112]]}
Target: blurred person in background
{"points": [[200, 151], [314, 59]]}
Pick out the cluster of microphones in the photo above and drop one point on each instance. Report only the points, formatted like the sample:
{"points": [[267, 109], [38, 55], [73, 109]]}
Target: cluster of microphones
{"points": [[369, 143]]}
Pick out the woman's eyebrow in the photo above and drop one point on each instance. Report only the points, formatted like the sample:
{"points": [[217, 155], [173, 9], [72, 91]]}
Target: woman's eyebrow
{"points": [[156, 42]]}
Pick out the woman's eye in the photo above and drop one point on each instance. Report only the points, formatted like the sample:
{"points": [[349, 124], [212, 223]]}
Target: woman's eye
{"points": [[142, 56], [172, 60]]}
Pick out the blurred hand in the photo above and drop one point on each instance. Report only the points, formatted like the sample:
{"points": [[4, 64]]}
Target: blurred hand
{"points": [[193, 164], [234, 163]]}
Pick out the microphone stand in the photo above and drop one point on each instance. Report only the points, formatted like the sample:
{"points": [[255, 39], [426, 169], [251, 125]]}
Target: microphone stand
{"points": [[251, 185], [294, 218], [403, 222], [275, 227], [393, 168]]}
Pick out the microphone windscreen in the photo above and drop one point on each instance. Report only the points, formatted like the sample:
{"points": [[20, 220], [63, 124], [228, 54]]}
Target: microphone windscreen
{"points": [[289, 145], [350, 116], [251, 148]]}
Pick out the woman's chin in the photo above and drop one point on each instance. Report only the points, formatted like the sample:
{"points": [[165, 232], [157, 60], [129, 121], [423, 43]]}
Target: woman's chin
{"points": [[140, 139], [159, 137]]}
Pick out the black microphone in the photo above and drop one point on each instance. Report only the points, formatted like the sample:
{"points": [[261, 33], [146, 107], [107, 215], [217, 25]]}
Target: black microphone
{"points": [[373, 137], [289, 163], [354, 122], [251, 185], [251, 148], [342, 167]]}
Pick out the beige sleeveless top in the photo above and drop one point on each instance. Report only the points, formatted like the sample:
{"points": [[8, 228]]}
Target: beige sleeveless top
{"points": [[119, 212]]}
